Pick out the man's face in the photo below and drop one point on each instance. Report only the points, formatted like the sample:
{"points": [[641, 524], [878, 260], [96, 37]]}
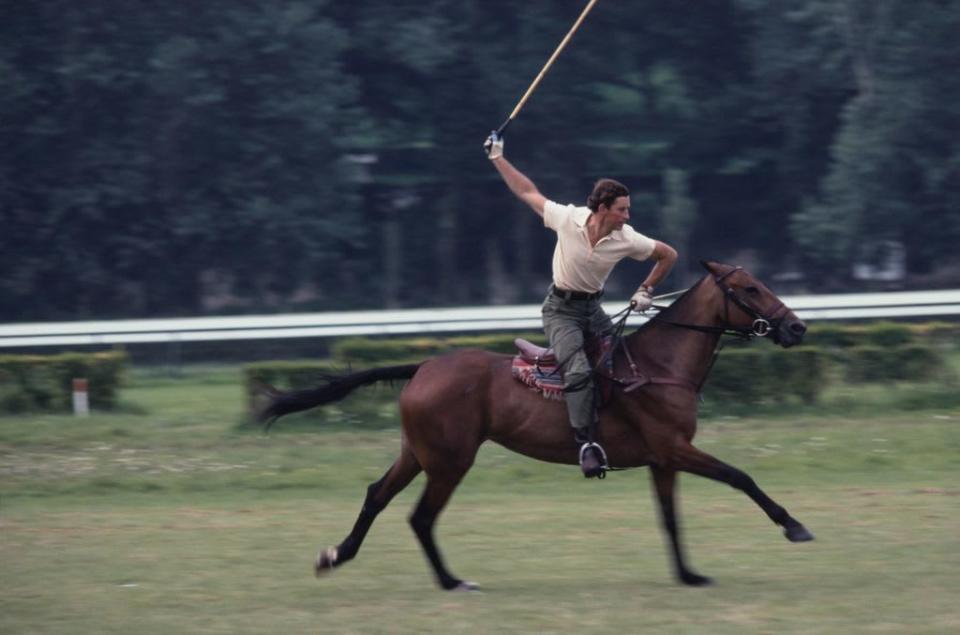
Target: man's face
{"points": [[618, 213]]}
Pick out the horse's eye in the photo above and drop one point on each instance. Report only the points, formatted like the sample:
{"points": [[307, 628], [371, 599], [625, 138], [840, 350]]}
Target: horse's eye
{"points": [[752, 290]]}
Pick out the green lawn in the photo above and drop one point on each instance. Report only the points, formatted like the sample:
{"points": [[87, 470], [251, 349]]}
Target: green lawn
{"points": [[172, 515]]}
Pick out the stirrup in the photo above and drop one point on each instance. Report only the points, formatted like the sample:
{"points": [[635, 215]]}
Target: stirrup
{"points": [[601, 470]]}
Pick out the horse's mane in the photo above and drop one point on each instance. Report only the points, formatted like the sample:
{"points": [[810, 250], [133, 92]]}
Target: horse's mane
{"points": [[670, 310]]}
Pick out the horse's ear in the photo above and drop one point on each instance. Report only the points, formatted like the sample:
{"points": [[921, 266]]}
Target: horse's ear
{"points": [[707, 265]]}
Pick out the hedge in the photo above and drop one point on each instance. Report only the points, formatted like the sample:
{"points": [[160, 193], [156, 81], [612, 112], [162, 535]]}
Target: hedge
{"points": [[746, 372], [380, 351], [289, 374], [742, 375], [768, 374], [871, 334], [912, 362], [880, 333], [45, 382]]}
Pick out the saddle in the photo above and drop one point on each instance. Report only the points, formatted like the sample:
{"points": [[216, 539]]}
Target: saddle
{"points": [[538, 367]]}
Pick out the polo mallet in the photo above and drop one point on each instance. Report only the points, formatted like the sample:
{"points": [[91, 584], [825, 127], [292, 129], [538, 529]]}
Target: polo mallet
{"points": [[546, 67]]}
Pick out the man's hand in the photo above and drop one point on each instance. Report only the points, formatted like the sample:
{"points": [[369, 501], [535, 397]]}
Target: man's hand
{"points": [[493, 146], [642, 299]]}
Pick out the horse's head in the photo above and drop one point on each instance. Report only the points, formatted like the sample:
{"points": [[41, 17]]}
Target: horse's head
{"points": [[749, 306]]}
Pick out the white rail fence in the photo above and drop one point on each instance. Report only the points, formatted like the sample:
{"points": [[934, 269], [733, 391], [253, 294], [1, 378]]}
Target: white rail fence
{"points": [[894, 305]]}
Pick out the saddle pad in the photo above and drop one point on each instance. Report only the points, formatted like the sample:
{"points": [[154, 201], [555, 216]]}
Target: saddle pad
{"points": [[546, 379]]}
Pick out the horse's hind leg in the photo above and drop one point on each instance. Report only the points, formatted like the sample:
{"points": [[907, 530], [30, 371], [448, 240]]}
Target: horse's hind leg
{"points": [[439, 488], [379, 494], [664, 484], [690, 459]]}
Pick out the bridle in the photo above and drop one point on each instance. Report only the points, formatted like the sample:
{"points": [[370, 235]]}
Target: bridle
{"points": [[763, 322]]}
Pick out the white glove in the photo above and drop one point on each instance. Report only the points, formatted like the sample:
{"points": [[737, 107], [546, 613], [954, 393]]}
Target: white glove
{"points": [[493, 146], [641, 300]]}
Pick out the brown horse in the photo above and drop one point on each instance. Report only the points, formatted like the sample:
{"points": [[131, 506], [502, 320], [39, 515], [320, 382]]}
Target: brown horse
{"points": [[455, 402]]}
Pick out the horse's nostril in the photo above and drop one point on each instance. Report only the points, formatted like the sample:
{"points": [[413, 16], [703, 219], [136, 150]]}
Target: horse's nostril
{"points": [[798, 328]]}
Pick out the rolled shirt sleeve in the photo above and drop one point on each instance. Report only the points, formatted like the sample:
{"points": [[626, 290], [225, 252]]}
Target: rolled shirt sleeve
{"points": [[643, 246]]}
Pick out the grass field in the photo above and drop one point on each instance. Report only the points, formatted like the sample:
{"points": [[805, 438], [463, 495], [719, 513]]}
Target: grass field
{"points": [[173, 516]]}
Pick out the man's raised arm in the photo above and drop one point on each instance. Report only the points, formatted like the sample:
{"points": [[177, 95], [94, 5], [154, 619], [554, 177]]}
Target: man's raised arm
{"points": [[519, 184]]}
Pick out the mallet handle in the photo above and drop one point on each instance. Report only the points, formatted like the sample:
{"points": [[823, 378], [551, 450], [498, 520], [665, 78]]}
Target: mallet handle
{"points": [[546, 67]]}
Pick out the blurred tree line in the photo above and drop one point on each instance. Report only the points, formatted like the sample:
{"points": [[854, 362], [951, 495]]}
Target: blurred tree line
{"points": [[179, 158]]}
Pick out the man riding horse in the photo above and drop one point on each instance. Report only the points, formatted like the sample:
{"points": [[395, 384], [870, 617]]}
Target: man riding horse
{"points": [[590, 241]]}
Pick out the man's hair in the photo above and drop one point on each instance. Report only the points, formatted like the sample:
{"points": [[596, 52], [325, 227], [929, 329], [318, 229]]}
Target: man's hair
{"points": [[605, 192]]}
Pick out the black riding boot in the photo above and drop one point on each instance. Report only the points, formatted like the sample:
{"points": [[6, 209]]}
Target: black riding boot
{"points": [[593, 460]]}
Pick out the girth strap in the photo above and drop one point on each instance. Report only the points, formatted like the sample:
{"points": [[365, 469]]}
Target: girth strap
{"points": [[639, 380]]}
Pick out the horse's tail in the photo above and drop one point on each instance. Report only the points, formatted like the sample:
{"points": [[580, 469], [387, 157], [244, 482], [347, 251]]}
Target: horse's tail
{"points": [[333, 388]]}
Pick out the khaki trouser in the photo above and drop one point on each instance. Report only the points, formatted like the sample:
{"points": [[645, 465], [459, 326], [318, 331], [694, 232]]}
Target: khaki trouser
{"points": [[565, 322]]}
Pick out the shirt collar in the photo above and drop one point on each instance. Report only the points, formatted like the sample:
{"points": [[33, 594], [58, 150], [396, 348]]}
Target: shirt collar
{"points": [[580, 216]]}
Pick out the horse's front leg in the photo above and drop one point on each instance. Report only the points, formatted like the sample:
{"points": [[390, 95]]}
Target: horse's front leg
{"points": [[664, 484], [689, 459]]}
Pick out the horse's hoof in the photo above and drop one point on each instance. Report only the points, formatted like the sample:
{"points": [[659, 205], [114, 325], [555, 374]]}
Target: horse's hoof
{"points": [[693, 579], [797, 533], [466, 585], [326, 560], [459, 585]]}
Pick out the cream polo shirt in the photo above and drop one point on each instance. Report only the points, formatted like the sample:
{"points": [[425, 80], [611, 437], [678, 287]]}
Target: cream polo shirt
{"points": [[576, 265]]}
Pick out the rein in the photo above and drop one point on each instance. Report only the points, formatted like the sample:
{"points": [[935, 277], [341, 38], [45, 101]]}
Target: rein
{"points": [[637, 378], [763, 323], [761, 326]]}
